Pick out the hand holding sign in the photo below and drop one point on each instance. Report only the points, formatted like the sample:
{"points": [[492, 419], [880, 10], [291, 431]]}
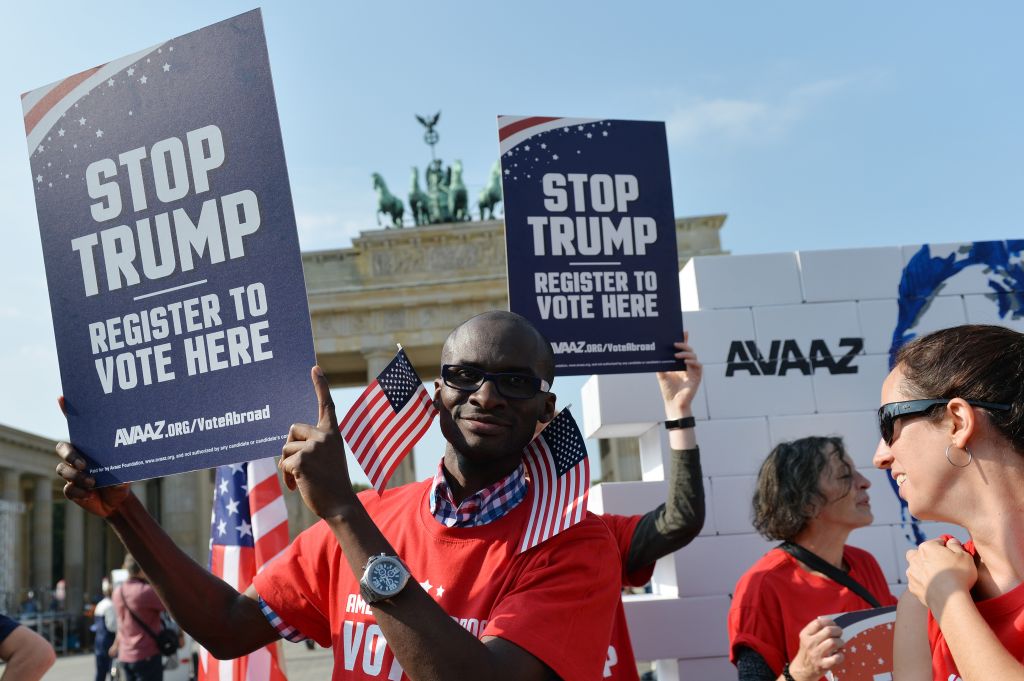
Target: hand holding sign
{"points": [[80, 487], [313, 459], [821, 649]]}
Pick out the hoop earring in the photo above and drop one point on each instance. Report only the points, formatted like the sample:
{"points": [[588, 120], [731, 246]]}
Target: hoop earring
{"points": [[970, 457]]}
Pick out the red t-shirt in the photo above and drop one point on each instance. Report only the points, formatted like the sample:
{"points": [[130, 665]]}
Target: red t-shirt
{"points": [[620, 663], [556, 600], [1004, 614], [133, 642], [776, 598]]}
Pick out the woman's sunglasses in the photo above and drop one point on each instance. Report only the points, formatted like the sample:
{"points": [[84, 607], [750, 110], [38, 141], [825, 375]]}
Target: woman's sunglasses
{"points": [[888, 413]]}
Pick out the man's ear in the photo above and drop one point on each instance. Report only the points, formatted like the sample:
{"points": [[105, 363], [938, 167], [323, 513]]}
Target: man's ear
{"points": [[437, 393], [963, 421], [549, 408]]}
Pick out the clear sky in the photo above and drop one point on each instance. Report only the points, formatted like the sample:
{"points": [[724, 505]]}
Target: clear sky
{"points": [[812, 125]]}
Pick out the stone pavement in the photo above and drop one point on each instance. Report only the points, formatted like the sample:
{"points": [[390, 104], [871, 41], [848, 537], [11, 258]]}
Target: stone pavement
{"points": [[300, 663]]}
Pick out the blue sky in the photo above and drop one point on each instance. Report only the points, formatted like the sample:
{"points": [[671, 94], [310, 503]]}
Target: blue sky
{"points": [[812, 125]]}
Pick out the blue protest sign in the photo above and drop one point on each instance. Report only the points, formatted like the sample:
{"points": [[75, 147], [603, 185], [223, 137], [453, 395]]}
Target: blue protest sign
{"points": [[591, 240], [172, 258]]}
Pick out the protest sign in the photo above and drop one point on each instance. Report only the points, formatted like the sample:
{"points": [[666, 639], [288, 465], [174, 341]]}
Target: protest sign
{"points": [[591, 240], [172, 258], [867, 645]]}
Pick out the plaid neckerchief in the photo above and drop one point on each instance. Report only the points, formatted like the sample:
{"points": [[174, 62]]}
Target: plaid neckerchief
{"points": [[480, 508]]}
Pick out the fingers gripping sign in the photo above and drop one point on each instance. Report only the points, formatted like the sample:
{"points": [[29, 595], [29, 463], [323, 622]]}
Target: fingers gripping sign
{"points": [[313, 458], [80, 487], [821, 649]]}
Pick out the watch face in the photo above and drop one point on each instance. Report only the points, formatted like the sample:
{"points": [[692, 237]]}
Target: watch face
{"points": [[386, 577]]}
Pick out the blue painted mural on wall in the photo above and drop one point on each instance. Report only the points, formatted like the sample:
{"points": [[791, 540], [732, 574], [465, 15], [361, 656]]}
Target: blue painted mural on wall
{"points": [[923, 279]]}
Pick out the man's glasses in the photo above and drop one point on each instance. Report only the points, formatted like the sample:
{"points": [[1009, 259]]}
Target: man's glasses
{"points": [[511, 386], [888, 413]]}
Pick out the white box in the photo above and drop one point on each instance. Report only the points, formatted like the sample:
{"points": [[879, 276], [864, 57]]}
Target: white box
{"points": [[878, 320], [732, 446], [712, 331], [852, 392], [640, 497], [859, 431], [711, 566], [984, 309], [850, 274], [671, 628], [731, 498], [878, 542], [743, 395], [712, 282], [626, 405], [804, 323]]}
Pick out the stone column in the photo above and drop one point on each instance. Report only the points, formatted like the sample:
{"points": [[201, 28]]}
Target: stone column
{"points": [[181, 505], [139, 490], [95, 551], [74, 555], [12, 494], [42, 534]]}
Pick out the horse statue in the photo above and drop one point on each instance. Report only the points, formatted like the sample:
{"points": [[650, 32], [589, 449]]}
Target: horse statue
{"points": [[418, 200], [387, 202], [458, 196], [490, 195]]}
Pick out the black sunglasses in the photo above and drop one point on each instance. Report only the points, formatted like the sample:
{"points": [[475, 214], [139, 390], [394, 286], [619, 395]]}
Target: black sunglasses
{"points": [[888, 413], [512, 386]]}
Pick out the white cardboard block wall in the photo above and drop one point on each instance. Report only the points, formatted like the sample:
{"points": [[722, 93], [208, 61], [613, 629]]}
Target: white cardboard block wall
{"points": [[859, 431], [712, 282], [730, 498], [830, 322], [878, 318], [745, 395], [858, 391], [665, 635], [625, 405], [984, 309], [971, 279], [711, 331], [850, 274], [732, 446]]}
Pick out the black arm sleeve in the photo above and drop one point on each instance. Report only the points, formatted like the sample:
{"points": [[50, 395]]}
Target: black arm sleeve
{"points": [[675, 523], [750, 666]]}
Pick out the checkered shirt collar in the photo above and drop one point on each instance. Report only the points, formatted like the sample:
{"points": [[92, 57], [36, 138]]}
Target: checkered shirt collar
{"points": [[479, 508]]}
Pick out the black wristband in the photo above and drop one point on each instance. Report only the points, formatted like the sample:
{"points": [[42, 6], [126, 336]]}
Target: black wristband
{"points": [[785, 673], [685, 422]]}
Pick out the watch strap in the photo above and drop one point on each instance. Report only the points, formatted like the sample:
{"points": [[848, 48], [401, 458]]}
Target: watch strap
{"points": [[685, 422], [785, 673]]}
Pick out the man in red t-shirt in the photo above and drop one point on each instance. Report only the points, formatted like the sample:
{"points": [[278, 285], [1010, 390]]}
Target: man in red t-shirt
{"points": [[137, 607], [643, 539], [396, 596]]}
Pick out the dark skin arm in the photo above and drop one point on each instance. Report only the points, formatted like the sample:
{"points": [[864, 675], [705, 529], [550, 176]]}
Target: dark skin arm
{"points": [[427, 642], [225, 622]]}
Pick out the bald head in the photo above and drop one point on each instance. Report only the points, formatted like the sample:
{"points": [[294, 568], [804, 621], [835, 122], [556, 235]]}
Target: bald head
{"points": [[498, 328]]}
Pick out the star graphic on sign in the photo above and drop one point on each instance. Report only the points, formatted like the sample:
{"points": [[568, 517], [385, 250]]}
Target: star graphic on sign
{"points": [[507, 171], [440, 591], [222, 528], [39, 148], [589, 135], [604, 133], [543, 146], [167, 67], [99, 133], [129, 112], [49, 184], [39, 178], [81, 121], [110, 82], [131, 71], [554, 157], [147, 60], [526, 148], [244, 529], [142, 80], [426, 586], [224, 486], [60, 133], [232, 507]]}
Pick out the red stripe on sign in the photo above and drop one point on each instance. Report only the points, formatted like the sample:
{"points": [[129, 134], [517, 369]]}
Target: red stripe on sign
{"points": [[513, 128], [36, 113]]}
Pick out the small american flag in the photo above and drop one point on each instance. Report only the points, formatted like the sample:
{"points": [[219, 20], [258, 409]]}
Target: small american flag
{"points": [[249, 529], [559, 470], [387, 420]]}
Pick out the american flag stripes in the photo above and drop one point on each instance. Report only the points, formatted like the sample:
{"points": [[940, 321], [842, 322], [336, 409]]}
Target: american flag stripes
{"points": [[387, 420], [559, 470], [249, 529], [515, 129]]}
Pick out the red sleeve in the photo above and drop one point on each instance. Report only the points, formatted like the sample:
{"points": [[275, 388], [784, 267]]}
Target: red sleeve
{"points": [[756, 621], [622, 528], [562, 606], [297, 583]]}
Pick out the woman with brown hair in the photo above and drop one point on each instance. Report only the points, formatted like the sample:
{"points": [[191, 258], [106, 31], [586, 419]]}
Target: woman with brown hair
{"points": [[810, 496], [952, 423]]}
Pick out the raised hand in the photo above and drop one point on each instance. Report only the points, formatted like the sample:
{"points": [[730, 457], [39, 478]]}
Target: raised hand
{"points": [[938, 568], [80, 487], [678, 388], [313, 459]]}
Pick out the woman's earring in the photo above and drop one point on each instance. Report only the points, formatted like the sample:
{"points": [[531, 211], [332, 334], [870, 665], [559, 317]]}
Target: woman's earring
{"points": [[970, 458]]}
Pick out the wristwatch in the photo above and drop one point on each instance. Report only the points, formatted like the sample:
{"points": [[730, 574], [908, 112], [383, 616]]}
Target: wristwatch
{"points": [[685, 422], [383, 577]]}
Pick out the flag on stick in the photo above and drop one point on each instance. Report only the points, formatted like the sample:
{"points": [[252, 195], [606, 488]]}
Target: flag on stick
{"points": [[387, 420], [559, 471], [248, 530]]}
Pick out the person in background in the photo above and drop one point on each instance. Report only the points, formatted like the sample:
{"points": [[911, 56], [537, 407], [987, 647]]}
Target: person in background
{"points": [[643, 539], [104, 627], [810, 496], [136, 603], [952, 425], [27, 654]]}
